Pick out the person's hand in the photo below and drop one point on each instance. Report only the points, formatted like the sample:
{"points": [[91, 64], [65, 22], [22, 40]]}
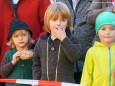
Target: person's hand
{"points": [[59, 33], [16, 57], [26, 54]]}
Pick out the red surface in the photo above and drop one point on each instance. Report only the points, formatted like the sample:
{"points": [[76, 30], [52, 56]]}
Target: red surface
{"points": [[8, 80], [49, 83]]}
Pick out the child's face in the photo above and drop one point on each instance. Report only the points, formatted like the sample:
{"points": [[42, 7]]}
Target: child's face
{"points": [[107, 34], [58, 23], [20, 38]]}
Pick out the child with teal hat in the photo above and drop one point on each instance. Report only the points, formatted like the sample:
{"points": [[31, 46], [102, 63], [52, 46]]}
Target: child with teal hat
{"points": [[99, 63]]}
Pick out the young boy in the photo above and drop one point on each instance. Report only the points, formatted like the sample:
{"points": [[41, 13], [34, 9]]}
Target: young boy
{"points": [[17, 62], [100, 59], [56, 51]]}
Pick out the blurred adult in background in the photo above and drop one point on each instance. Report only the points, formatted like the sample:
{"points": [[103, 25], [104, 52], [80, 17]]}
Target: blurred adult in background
{"points": [[97, 7], [84, 32]]}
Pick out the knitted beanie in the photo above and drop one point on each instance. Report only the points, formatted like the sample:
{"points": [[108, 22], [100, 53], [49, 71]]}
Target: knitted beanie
{"points": [[104, 18], [17, 24]]}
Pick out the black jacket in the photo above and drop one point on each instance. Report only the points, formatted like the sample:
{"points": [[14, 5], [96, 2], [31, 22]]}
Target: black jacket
{"points": [[69, 53]]}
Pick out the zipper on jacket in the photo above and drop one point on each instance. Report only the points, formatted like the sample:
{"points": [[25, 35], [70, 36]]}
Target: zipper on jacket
{"points": [[110, 67]]}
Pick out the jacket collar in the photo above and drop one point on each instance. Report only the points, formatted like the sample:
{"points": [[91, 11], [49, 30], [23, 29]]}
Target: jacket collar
{"points": [[102, 45]]}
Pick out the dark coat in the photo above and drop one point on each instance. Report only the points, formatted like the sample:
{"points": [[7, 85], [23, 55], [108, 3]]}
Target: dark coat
{"points": [[69, 53]]}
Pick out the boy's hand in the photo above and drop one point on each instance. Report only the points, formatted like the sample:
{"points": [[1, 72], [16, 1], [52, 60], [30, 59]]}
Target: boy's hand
{"points": [[16, 57], [24, 55], [27, 54], [59, 33]]}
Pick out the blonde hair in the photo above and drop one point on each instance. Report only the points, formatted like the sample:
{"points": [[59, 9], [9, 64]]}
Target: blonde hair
{"points": [[54, 11], [20, 32]]}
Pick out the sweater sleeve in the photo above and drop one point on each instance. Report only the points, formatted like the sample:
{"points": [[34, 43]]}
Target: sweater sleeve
{"points": [[95, 9], [6, 68], [72, 48], [87, 74], [36, 68]]}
